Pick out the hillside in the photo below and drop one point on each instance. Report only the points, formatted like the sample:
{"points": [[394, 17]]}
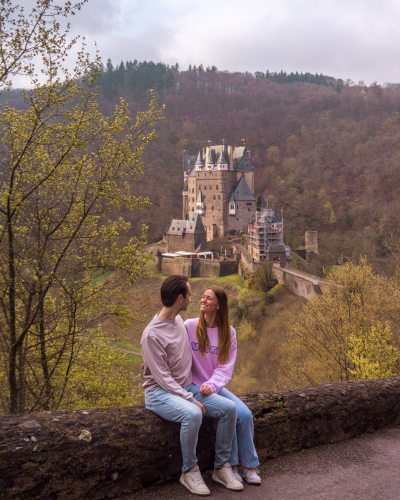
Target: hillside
{"points": [[328, 151], [261, 328]]}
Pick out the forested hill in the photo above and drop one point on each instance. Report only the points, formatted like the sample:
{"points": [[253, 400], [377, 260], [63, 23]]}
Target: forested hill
{"points": [[328, 151]]}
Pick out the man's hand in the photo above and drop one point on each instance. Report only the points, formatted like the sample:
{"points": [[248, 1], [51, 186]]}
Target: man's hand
{"points": [[205, 390], [203, 410], [142, 367]]}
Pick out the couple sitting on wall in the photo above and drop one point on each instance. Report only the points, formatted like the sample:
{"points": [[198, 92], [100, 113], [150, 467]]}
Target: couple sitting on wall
{"points": [[186, 367]]}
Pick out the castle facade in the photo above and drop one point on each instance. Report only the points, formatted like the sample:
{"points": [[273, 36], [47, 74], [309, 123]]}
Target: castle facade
{"points": [[219, 185]]}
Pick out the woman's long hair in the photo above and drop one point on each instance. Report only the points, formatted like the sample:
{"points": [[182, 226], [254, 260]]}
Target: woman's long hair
{"points": [[224, 328]]}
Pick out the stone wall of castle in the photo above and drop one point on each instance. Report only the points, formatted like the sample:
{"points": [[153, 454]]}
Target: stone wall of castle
{"points": [[196, 268], [186, 242]]}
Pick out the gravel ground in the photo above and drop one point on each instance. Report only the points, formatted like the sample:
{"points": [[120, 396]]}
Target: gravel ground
{"points": [[365, 468]]}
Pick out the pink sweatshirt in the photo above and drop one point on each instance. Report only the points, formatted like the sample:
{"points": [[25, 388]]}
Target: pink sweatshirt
{"points": [[205, 369]]}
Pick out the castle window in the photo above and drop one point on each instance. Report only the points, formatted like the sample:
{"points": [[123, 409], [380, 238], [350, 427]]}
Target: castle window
{"points": [[192, 209], [212, 208], [216, 187], [192, 190], [213, 196], [205, 187], [210, 186], [192, 199], [248, 203], [219, 196], [248, 209]]}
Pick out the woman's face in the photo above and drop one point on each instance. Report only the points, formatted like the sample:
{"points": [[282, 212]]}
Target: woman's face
{"points": [[209, 302]]}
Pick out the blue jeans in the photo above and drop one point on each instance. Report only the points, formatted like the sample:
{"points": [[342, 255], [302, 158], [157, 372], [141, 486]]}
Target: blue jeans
{"points": [[176, 409], [243, 448]]}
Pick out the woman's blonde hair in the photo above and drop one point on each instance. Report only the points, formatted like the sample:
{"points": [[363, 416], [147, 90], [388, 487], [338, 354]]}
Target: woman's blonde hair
{"points": [[224, 328]]}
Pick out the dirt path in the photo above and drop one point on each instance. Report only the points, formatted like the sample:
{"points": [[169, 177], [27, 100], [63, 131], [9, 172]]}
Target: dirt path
{"points": [[364, 468], [126, 350]]}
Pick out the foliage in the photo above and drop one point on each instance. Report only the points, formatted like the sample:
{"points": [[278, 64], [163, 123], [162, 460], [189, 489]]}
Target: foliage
{"points": [[66, 171], [339, 335], [100, 378], [373, 354], [246, 331], [263, 277]]}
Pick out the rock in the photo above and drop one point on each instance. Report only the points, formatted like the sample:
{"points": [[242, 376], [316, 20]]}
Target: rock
{"points": [[85, 436]]}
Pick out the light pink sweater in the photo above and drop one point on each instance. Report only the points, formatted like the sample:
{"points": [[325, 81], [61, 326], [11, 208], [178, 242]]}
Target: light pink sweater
{"points": [[205, 369]]}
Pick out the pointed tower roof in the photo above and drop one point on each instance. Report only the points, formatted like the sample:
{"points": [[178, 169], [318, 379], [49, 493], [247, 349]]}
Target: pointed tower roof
{"points": [[195, 224], [232, 198], [199, 161], [210, 160], [222, 160], [242, 191]]}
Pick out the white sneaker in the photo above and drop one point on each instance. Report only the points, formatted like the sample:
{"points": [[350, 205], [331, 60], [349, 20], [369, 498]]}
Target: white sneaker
{"points": [[236, 473], [251, 475], [194, 482], [225, 476]]}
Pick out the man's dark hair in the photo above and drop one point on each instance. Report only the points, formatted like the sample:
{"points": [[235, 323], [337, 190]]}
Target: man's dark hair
{"points": [[172, 287]]}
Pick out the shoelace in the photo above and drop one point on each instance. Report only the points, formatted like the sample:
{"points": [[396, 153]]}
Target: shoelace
{"points": [[229, 471], [196, 476], [250, 472]]}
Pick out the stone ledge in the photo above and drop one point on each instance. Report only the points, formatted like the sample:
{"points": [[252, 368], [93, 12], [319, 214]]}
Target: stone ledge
{"points": [[106, 453]]}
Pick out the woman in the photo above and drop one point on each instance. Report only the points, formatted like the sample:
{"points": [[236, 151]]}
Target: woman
{"points": [[213, 344]]}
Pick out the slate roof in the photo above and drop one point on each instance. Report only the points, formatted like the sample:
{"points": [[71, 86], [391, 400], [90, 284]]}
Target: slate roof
{"points": [[189, 161], [242, 191], [276, 249], [192, 226], [192, 173], [222, 160], [199, 160], [185, 188], [241, 160]]}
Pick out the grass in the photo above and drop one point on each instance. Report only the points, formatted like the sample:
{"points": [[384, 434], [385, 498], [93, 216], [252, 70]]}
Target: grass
{"points": [[102, 277], [130, 346]]}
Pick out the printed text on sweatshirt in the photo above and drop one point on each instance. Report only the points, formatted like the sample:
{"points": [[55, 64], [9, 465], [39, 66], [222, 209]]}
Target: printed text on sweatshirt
{"points": [[205, 369]]}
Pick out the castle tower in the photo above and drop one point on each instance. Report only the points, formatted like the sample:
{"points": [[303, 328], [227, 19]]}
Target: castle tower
{"points": [[200, 204], [311, 238]]}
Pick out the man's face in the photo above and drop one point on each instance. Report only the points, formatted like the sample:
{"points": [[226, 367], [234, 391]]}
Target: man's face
{"points": [[186, 300]]}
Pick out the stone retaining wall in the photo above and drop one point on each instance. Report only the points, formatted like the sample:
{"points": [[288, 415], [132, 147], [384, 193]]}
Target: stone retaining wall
{"points": [[300, 283], [102, 454], [196, 268]]}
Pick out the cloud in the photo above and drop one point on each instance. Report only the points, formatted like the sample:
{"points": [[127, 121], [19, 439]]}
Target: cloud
{"points": [[355, 39]]}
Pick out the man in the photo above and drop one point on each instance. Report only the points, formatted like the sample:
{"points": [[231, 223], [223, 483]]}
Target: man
{"points": [[169, 391]]}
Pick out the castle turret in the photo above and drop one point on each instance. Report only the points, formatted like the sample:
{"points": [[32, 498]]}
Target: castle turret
{"points": [[222, 163], [199, 163], [200, 204], [232, 205], [210, 162]]}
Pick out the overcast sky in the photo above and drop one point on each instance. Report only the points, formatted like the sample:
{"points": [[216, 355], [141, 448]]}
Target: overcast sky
{"points": [[357, 39]]}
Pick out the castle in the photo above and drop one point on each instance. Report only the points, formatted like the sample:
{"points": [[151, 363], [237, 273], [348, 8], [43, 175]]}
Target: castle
{"points": [[219, 185]]}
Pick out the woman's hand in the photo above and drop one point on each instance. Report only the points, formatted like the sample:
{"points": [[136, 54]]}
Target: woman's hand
{"points": [[205, 390]]}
